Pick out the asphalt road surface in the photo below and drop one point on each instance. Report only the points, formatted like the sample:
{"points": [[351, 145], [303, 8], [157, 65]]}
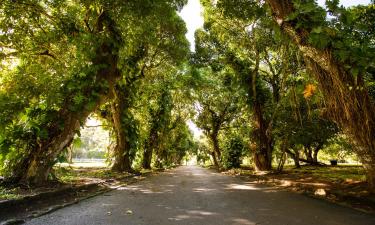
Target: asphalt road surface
{"points": [[192, 195]]}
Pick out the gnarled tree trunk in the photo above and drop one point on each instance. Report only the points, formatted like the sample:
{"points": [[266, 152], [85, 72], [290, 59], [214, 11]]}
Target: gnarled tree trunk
{"points": [[149, 148], [295, 156], [214, 157], [315, 155], [308, 153], [263, 143], [36, 167], [121, 150], [216, 151], [346, 95], [263, 150]]}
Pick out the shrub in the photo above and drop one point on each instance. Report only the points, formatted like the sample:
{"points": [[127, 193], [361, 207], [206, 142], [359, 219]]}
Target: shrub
{"points": [[232, 155]]}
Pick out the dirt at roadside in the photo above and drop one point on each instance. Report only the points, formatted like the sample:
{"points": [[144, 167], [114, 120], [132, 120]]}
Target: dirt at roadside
{"points": [[39, 201], [348, 192]]}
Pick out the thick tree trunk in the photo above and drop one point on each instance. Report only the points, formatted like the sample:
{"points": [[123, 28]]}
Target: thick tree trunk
{"points": [[309, 154], [148, 151], [315, 155], [123, 94], [346, 95], [295, 157], [216, 163], [121, 154], [159, 123], [40, 160], [263, 148], [147, 157], [262, 162], [36, 167], [122, 161], [315, 152], [217, 151]]}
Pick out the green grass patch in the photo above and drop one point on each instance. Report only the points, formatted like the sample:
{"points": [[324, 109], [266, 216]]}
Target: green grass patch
{"points": [[341, 173], [70, 174], [73, 174], [8, 193]]}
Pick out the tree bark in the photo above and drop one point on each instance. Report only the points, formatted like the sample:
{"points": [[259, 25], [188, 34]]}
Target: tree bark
{"points": [[148, 151], [295, 157], [315, 152], [262, 152], [147, 156], [123, 93], [121, 150], [309, 154], [217, 151], [36, 167], [346, 95], [213, 155], [315, 155]]}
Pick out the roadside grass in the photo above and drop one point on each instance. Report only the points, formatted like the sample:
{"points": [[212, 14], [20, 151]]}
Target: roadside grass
{"points": [[75, 174], [333, 174], [80, 174], [344, 184], [8, 193], [67, 175]]}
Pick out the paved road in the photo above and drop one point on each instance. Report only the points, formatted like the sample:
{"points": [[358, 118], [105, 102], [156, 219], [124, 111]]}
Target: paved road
{"points": [[192, 195]]}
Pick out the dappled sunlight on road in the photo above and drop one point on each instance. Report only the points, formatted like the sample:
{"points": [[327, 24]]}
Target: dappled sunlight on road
{"points": [[203, 213], [149, 190], [193, 214], [199, 174], [201, 183], [239, 221], [200, 190], [241, 187], [193, 195], [109, 204]]}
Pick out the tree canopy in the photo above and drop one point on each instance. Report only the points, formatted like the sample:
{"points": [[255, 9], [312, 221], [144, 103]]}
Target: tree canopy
{"points": [[268, 80]]}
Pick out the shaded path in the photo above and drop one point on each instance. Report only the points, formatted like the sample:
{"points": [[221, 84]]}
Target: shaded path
{"points": [[192, 195]]}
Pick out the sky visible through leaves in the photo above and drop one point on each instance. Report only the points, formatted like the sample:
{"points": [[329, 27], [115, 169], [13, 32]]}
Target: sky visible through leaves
{"points": [[192, 15]]}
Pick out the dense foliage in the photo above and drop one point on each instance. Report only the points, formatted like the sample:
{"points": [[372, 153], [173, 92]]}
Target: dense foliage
{"points": [[269, 80], [233, 152]]}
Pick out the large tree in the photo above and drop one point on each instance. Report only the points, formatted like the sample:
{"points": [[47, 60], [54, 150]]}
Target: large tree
{"points": [[339, 56], [260, 58], [217, 104], [338, 53], [84, 40], [156, 50]]}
